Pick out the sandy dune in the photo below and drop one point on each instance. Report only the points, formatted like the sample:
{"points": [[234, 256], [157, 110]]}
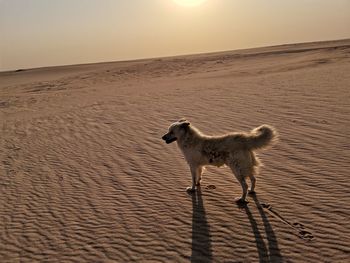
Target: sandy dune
{"points": [[85, 176]]}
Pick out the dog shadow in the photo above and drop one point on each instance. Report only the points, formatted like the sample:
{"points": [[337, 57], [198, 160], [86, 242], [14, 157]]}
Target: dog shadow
{"points": [[201, 239], [269, 252]]}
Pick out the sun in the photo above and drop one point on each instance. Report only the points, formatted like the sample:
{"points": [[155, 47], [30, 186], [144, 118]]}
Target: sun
{"points": [[189, 2]]}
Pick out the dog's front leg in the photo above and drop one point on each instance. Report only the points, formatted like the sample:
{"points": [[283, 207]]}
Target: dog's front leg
{"points": [[194, 170], [199, 175]]}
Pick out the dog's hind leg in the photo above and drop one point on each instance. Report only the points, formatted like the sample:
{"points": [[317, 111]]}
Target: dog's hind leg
{"points": [[241, 179], [245, 191], [253, 181], [253, 171]]}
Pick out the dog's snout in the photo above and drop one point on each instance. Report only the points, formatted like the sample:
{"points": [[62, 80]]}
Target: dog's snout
{"points": [[164, 137]]}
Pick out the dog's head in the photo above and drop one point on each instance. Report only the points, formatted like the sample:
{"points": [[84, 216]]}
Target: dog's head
{"points": [[176, 131]]}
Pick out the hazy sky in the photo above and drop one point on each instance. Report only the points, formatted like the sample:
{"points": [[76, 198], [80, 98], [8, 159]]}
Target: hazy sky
{"points": [[35, 33]]}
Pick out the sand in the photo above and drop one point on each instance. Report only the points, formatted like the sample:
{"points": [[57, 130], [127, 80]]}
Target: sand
{"points": [[85, 176]]}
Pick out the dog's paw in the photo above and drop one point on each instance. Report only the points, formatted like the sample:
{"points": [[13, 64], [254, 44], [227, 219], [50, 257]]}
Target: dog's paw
{"points": [[251, 192], [241, 201], [190, 189]]}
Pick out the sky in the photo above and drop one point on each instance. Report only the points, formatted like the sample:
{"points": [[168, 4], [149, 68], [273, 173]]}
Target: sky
{"points": [[37, 33]]}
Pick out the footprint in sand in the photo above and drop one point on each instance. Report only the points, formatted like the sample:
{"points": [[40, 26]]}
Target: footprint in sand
{"points": [[210, 187], [298, 225], [305, 235]]}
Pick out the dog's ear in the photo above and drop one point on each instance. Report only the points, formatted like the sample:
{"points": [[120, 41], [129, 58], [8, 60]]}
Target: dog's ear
{"points": [[182, 120], [185, 124]]}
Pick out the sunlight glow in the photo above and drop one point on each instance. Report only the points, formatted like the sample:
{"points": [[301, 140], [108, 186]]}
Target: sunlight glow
{"points": [[189, 3]]}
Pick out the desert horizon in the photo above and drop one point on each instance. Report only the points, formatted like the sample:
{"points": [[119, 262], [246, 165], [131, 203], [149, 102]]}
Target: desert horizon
{"points": [[175, 55]]}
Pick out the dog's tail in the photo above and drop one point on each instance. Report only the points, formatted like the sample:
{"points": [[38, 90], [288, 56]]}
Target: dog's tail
{"points": [[261, 137]]}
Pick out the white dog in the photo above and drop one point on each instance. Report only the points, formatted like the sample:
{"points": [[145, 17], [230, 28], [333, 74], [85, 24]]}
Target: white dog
{"points": [[235, 150]]}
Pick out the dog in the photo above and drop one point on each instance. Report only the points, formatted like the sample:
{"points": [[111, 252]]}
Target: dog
{"points": [[235, 150]]}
